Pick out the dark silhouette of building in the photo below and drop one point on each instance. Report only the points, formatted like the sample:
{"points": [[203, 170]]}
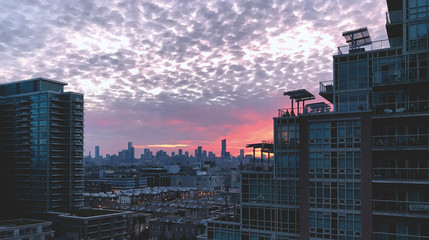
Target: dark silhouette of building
{"points": [[41, 148], [223, 150], [358, 167], [97, 151]]}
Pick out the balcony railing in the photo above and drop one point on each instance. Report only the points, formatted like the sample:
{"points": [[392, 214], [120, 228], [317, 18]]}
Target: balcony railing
{"points": [[406, 107], [326, 87], [376, 45], [394, 17], [401, 207], [393, 174], [390, 236], [307, 110], [397, 141], [401, 76]]}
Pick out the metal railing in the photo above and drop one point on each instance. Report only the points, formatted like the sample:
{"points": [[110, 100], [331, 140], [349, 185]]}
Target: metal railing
{"points": [[352, 106], [376, 45], [394, 141], [397, 236], [401, 76], [406, 107], [394, 17], [407, 207], [326, 87], [289, 112], [420, 174]]}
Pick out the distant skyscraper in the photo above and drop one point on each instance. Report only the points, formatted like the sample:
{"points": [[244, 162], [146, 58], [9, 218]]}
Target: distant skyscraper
{"points": [[211, 155], [180, 152], [131, 152], [200, 153], [97, 151], [241, 152], [41, 147], [223, 151]]}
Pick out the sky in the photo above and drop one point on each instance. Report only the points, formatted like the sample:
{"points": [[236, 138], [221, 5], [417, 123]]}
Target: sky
{"points": [[179, 73]]}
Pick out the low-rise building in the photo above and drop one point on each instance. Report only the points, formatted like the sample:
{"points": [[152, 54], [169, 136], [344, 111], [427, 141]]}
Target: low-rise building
{"points": [[92, 223], [18, 229], [175, 228]]}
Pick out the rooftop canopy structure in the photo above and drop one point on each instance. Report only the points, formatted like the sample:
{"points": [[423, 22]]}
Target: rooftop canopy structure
{"points": [[357, 38], [300, 95], [265, 146]]}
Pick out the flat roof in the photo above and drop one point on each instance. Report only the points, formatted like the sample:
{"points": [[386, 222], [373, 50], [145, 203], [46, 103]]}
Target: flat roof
{"points": [[19, 222], [34, 79], [300, 95], [92, 213], [318, 104]]}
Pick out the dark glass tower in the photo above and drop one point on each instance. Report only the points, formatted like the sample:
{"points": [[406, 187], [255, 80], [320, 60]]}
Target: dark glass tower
{"points": [[357, 168], [41, 148]]}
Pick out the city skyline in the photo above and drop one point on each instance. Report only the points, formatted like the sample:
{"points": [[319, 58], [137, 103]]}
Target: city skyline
{"points": [[171, 151], [179, 73]]}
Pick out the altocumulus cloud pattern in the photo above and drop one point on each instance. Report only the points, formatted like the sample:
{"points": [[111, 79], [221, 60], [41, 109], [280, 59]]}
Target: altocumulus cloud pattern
{"points": [[192, 71]]}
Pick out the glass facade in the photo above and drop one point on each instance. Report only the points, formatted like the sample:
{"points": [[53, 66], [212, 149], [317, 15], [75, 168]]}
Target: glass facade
{"points": [[334, 179], [42, 146], [364, 168]]}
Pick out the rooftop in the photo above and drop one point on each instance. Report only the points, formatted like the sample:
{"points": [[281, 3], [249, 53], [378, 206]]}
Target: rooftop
{"points": [[19, 222], [92, 213], [35, 79], [300, 95]]}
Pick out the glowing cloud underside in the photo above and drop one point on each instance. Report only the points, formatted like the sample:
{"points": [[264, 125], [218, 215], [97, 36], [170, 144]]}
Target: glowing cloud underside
{"points": [[158, 71]]}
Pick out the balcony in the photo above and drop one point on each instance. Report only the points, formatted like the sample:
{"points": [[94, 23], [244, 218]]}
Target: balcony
{"points": [[57, 119], [56, 106], [390, 236], [401, 77], [23, 119], [286, 144], [394, 17], [376, 45], [413, 141], [401, 175], [309, 109], [326, 90], [401, 108], [56, 112], [401, 208], [23, 113], [78, 136]]}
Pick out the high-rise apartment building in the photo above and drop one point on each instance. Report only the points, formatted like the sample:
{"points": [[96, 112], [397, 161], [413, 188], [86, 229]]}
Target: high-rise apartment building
{"points": [[131, 153], [357, 168], [97, 151], [223, 150], [41, 148]]}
